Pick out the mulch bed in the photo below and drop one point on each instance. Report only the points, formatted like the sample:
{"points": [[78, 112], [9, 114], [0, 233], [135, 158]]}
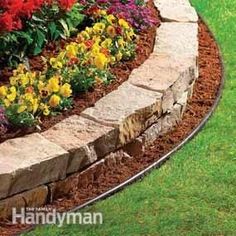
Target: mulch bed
{"points": [[121, 71], [205, 93]]}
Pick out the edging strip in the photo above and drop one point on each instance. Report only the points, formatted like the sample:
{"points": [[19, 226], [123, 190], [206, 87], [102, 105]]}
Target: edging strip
{"points": [[153, 100]]}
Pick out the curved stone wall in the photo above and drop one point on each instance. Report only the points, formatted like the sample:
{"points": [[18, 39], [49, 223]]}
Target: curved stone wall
{"points": [[150, 103]]}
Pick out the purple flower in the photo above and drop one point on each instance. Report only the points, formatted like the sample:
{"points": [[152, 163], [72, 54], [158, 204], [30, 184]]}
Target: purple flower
{"points": [[138, 15]]}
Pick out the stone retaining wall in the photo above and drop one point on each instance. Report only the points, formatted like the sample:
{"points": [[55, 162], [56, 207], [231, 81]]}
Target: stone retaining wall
{"points": [[34, 169]]}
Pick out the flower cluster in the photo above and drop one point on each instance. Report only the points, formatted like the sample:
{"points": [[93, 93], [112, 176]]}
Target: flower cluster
{"points": [[86, 61], [83, 62], [107, 42], [30, 95], [14, 12], [135, 12], [77, 67]]}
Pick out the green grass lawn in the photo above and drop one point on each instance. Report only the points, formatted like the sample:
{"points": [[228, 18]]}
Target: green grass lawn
{"points": [[195, 192]]}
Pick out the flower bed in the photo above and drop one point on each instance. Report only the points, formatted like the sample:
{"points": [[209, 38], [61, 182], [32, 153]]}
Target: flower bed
{"points": [[151, 102], [106, 36]]}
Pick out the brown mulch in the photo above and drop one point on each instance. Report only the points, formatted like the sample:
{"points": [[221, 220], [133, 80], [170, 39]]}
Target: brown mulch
{"points": [[205, 93], [121, 71]]}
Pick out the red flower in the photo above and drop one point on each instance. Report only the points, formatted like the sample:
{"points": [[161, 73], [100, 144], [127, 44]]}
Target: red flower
{"points": [[6, 22], [66, 4], [15, 12], [89, 43]]}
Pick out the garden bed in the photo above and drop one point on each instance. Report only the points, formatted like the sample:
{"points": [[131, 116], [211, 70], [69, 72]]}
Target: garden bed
{"points": [[152, 99], [80, 155], [83, 100], [117, 168]]}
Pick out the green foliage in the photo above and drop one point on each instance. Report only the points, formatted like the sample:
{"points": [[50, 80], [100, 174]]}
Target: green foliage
{"points": [[49, 24], [24, 119], [84, 78]]}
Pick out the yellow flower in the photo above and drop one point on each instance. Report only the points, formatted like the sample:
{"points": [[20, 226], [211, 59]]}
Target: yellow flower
{"points": [[99, 28], [41, 85], [65, 90], [20, 69], [21, 108], [130, 34], [7, 103], [56, 64], [95, 49], [29, 97], [35, 105], [13, 80], [106, 43], [111, 31], [85, 34], [113, 60], [53, 84], [119, 56], [100, 61], [54, 101], [111, 19], [124, 24], [72, 50], [3, 91], [44, 92], [89, 30], [12, 96], [121, 42], [61, 56], [32, 76], [24, 79], [82, 47], [102, 13], [43, 107], [46, 111]]}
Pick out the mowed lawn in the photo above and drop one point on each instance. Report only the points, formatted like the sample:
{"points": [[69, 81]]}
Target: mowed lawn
{"points": [[195, 192]]}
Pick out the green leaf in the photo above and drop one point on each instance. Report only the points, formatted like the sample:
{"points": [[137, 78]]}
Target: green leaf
{"points": [[53, 31], [39, 40], [65, 28]]}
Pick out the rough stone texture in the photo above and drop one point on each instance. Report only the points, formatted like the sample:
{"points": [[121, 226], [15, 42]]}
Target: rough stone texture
{"points": [[161, 127], [182, 84], [183, 101], [6, 205], [5, 177], [162, 71], [85, 139], [33, 198], [159, 76], [63, 187], [169, 121], [32, 161], [160, 3], [177, 13], [36, 197], [152, 133], [127, 109], [168, 100], [87, 177], [191, 89], [177, 40], [167, 75]]}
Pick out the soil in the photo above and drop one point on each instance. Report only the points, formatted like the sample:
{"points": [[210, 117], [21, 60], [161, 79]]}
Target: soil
{"points": [[121, 71], [205, 93]]}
